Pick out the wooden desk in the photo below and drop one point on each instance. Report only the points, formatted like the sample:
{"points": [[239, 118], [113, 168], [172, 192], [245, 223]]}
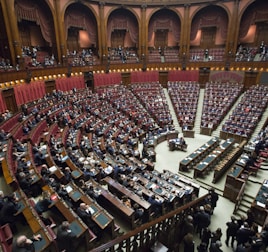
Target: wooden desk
{"points": [[44, 243], [233, 183], [114, 202], [104, 219], [77, 228], [73, 193], [21, 206], [54, 170], [188, 133], [206, 131], [115, 186], [162, 192], [204, 165], [195, 156], [259, 204], [212, 158]]}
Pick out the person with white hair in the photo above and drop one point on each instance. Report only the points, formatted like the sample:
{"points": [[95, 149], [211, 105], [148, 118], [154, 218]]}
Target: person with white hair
{"points": [[24, 244], [2, 199]]}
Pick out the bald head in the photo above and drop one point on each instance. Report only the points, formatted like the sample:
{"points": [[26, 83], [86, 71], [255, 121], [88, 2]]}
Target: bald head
{"points": [[83, 206], [22, 241]]}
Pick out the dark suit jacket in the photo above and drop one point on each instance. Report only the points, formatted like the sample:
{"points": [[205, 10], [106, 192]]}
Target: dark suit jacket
{"points": [[65, 240]]}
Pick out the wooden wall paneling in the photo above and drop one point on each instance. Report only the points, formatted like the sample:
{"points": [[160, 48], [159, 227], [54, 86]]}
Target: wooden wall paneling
{"points": [[50, 85], [163, 78], [10, 100], [250, 79]]}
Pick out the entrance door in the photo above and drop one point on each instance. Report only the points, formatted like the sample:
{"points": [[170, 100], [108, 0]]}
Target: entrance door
{"points": [[161, 38], [208, 37], [117, 38]]}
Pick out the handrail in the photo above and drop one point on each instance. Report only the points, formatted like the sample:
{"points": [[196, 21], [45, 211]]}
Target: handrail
{"points": [[148, 232], [239, 197]]}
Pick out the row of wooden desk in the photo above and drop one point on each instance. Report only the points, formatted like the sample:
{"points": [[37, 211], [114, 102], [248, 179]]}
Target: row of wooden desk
{"points": [[36, 224], [113, 202], [100, 216], [209, 161], [198, 154]]}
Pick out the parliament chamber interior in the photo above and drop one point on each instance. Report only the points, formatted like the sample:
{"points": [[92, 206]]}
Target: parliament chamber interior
{"points": [[122, 121]]}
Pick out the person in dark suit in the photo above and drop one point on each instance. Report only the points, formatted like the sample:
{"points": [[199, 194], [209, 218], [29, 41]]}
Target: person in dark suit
{"points": [[2, 199], [243, 234], [188, 243], [43, 204], [214, 198], [188, 226], [202, 220], [66, 239], [24, 244], [216, 246], [83, 211], [7, 213], [24, 181], [3, 136], [232, 227], [39, 158], [155, 205]]}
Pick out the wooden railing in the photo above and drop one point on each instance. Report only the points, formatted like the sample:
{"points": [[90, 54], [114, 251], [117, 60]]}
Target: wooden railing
{"points": [[240, 197], [12, 75], [164, 229]]}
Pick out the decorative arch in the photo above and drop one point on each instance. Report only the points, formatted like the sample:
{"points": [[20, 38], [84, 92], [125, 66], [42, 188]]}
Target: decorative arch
{"points": [[166, 19], [123, 19], [77, 16], [255, 14], [210, 16], [38, 12]]}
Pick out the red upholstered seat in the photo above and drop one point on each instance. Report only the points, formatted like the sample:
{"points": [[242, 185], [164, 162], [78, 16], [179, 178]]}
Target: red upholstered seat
{"points": [[6, 238]]}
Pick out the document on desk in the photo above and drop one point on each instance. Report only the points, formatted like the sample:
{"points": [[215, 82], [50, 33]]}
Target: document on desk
{"points": [[260, 204], [53, 168], [91, 210], [68, 189]]}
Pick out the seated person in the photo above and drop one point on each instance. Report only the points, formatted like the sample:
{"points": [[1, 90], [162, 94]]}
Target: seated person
{"points": [[39, 158], [155, 205], [85, 213], [23, 165], [3, 136], [182, 141], [139, 213], [67, 175], [25, 129], [126, 201], [92, 192], [43, 204]]}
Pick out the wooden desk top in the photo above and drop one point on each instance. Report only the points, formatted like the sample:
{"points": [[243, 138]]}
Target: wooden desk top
{"points": [[42, 244], [117, 203], [111, 182]]}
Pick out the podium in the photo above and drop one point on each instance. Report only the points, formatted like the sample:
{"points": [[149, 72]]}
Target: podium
{"points": [[188, 133]]}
